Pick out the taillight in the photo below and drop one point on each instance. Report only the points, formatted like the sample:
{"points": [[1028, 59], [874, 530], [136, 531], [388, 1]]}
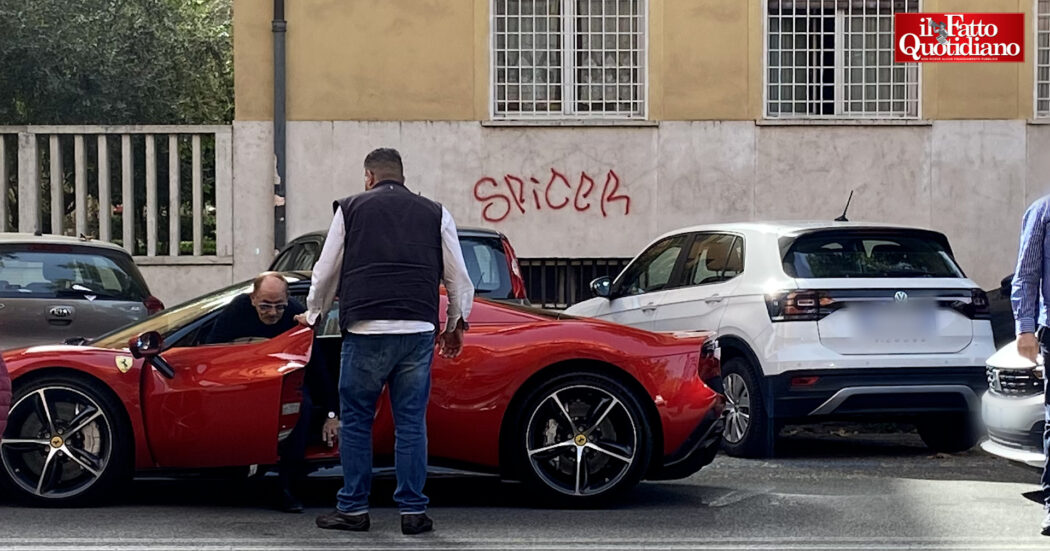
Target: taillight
{"points": [[709, 368], [517, 283], [976, 308], [153, 304], [291, 403], [801, 305]]}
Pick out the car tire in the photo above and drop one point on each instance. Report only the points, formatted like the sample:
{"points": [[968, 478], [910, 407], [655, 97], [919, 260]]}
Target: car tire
{"points": [[616, 444], [83, 461], [747, 427], [950, 433]]}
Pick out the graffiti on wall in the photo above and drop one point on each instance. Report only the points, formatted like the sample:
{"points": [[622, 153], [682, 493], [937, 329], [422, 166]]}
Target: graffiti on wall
{"points": [[499, 198]]}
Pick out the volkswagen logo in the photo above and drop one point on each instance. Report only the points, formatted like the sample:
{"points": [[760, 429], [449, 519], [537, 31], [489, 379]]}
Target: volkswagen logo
{"points": [[900, 297]]}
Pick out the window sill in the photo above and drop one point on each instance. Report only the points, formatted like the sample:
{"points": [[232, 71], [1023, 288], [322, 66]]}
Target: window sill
{"points": [[844, 122], [514, 123], [1039, 121]]}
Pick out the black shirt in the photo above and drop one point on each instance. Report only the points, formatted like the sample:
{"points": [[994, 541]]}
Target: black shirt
{"points": [[240, 320]]}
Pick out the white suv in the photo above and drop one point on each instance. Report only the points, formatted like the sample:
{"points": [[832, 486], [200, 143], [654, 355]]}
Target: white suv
{"points": [[818, 320]]}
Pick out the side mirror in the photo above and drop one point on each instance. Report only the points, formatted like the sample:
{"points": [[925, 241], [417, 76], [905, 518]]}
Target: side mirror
{"points": [[602, 286], [148, 345]]}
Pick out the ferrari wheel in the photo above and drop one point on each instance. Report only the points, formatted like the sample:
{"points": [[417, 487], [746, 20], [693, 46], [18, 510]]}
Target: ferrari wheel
{"points": [[65, 443], [585, 439]]}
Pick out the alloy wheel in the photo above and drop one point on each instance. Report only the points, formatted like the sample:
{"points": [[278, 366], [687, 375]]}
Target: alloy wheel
{"points": [[58, 442], [581, 440], [738, 408]]}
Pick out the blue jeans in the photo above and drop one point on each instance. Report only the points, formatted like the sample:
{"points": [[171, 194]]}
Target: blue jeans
{"points": [[401, 362]]}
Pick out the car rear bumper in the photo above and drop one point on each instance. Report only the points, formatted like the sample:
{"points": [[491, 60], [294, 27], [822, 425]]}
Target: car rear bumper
{"points": [[697, 452], [893, 392]]}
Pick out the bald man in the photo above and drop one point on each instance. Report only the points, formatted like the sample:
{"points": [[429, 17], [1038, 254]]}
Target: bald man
{"points": [[267, 312], [264, 313]]}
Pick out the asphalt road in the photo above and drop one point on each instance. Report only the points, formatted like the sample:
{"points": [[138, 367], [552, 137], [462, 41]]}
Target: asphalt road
{"points": [[829, 489]]}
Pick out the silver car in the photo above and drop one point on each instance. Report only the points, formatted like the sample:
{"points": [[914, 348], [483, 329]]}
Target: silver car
{"points": [[54, 288]]}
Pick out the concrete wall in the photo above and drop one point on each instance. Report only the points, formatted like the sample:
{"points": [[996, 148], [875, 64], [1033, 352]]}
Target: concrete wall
{"points": [[429, 60], [970, 179]]}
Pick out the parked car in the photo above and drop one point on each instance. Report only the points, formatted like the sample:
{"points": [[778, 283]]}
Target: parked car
{"points": [[56, 287], [818, 320], [1013, 408], [489, 257], [580, 410]]}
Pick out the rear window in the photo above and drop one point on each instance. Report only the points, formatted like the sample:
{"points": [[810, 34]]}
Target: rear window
{"points": [[870, 254], [63, 271], [487, 265]]}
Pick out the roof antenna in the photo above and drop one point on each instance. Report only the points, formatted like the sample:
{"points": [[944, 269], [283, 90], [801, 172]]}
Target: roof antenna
{"points": [[843, 217]]}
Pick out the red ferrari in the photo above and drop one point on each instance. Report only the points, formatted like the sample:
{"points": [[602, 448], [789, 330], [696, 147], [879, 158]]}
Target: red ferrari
{"points": [[579, 409]]}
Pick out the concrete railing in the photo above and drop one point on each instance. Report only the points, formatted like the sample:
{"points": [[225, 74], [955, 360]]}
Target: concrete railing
{"points": [[163, 192]]}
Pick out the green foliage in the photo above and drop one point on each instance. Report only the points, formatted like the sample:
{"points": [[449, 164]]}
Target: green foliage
{"points": [[115, 62]]}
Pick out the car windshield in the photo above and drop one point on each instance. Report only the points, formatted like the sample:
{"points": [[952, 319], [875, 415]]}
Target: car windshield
{"points": [[487, 265], [871, 254], [172, 319], [52, 271]]}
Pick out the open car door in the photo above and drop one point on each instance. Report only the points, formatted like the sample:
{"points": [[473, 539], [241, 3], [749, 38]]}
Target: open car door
{"points": [[224, 405]]}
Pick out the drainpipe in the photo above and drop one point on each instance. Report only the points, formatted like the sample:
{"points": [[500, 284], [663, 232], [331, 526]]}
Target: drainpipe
{"points": [[280, 26]]}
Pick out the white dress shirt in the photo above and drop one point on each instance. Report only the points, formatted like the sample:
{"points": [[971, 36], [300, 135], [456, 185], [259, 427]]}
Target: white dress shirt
{"points": [[327, 271]]}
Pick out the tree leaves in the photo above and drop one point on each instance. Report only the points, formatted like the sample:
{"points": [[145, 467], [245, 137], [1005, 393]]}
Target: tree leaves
{"points": [[115, 62]]}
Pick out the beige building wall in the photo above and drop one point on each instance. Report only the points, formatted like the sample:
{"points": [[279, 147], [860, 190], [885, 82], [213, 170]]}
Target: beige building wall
{"points": [[429, 60]]}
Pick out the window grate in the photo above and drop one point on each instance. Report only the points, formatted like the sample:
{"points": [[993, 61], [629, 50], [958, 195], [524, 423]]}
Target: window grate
{"points": [[834, 59], [559, 282], [1042, 65], [568, 58]]}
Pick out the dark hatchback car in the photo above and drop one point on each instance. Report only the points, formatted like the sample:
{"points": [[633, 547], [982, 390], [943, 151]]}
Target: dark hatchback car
{"points": [[490, 260]]}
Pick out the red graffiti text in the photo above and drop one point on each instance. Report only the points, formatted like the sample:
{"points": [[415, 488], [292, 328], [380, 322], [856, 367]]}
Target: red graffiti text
{"points": [[513, 193]]}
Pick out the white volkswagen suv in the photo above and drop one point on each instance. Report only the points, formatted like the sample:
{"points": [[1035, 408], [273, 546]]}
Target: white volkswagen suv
{"points": [[818, 320]]}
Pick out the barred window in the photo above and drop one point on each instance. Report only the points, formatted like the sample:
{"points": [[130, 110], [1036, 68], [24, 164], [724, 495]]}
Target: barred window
{"points": [[568, 58], [834, 59], [1042, 64]]}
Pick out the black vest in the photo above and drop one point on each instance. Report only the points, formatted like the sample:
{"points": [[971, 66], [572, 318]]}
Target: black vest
{"points": [[392, 258]]}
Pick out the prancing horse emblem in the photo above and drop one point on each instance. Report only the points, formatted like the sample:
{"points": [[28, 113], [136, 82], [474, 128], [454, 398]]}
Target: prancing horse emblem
{"points": [[124, 363], [900, 297]]}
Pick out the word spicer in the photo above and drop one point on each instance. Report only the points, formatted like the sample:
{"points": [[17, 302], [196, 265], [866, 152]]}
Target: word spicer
{"points": [[501, 198]]}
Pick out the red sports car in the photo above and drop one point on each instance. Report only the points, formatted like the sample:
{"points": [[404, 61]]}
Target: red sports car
{"points": [[578, 408]]}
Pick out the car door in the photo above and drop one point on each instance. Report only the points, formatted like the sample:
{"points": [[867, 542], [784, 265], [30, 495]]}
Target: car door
{"points": [[637, 291], [697, 299], [222, 408]]}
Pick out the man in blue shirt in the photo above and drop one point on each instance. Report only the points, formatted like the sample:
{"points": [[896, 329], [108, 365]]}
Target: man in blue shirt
{"points": [[1031, 283]]}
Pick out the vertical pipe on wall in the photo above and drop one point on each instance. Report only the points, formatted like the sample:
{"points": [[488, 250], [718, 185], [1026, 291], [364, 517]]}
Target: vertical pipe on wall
{"points": [[280, 26]]}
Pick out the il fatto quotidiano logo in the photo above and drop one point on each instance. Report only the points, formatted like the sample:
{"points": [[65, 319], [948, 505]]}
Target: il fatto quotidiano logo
{"points": [[959, 37]]}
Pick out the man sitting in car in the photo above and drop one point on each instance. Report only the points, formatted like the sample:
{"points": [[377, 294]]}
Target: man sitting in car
{"points": [[267, 312], [264, 313]]}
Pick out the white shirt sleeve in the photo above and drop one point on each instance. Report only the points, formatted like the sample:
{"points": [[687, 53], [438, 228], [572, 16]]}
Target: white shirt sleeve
{"points": [[458, 286], [324, 282]]}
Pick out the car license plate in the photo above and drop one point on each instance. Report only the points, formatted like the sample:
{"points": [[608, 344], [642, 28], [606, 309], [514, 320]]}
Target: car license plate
{"points": [[898, 321]]}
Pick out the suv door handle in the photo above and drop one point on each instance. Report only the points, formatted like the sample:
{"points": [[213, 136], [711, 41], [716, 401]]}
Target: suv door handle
{"points": [[714, 298], [649, 307]]}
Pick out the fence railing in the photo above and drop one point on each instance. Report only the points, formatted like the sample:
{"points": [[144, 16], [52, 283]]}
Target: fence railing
{"points": [[158, 191], [561, 282]]}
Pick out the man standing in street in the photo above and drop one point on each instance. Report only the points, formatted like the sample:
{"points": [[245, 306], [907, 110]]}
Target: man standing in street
{"points": [[388, 250], [1031, 287]]}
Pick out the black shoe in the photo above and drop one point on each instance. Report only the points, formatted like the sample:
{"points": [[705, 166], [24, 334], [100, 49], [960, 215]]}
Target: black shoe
{"points": [[416, 524], [338, 520], [288, 503]]}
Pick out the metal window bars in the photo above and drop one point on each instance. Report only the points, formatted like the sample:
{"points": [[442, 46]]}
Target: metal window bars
{"points": [[1042, 64], [834, 59], [569, 58]]}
